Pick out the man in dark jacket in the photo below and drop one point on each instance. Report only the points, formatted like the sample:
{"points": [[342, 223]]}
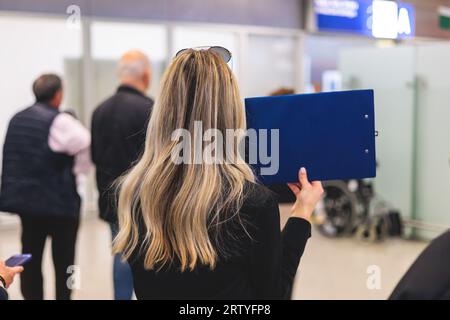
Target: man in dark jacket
{"points": [[119, 125], [39, 184], [428, 278]]}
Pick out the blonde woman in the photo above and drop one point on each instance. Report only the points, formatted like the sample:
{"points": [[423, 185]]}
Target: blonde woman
{"points": [[198, 230]]}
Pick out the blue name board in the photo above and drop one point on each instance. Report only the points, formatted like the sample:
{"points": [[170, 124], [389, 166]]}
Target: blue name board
{"points": [[374, 18]]}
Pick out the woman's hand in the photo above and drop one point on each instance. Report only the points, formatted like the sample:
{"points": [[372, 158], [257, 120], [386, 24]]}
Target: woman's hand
{"points": [[307, 194], [8, 273]]}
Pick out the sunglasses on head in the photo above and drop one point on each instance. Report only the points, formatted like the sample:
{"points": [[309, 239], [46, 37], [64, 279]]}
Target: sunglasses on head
{"points": [[221, 51]]}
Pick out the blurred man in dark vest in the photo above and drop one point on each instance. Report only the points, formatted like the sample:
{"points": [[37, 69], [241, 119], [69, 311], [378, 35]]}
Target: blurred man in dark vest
{"points": [[39, 184], [118, 129]]}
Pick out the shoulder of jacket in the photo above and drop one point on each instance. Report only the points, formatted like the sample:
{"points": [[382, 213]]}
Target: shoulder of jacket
{"points": [[258, 196], [3, 293]]}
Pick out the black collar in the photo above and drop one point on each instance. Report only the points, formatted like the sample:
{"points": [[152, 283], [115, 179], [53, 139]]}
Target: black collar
{"points": [[45, 105], [129, 89]]}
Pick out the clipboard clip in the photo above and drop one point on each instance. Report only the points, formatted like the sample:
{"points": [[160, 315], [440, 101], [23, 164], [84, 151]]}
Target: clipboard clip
{"points": [[366, 116]]}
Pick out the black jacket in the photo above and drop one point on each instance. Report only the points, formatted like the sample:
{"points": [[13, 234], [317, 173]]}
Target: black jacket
{"points": [[429, 276], [260, 266], [35, 180], [3, 294], [119, 125]]}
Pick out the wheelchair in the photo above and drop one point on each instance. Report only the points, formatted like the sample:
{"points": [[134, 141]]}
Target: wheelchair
{"points": [[351, 208]]}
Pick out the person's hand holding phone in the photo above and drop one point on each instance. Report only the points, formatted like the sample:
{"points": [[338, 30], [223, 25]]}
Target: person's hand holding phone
{"points": [[8, 273], [307, 194]]}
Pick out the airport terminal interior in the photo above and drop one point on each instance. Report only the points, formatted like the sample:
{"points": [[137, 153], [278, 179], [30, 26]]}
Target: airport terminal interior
{"points": [[366, 232]]}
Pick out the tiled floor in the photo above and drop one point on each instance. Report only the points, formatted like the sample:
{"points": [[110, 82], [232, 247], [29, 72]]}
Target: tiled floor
{"points": [[330, 268]]}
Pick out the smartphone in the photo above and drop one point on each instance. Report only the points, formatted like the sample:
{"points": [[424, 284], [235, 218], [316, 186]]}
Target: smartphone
{"points": [[18, 260]]}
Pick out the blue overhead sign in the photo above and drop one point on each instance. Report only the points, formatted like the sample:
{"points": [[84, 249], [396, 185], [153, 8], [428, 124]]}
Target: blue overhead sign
{"points": [[375, 18]]}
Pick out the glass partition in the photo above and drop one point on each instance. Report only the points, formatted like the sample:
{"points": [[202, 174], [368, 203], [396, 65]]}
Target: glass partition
{"points": [[321, 58], [390, 72], [109, 40], [271, 64], [412, 111], [433, 134]]}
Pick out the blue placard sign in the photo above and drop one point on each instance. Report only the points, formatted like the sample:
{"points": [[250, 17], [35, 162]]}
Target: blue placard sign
{"points": [[374, 18]]}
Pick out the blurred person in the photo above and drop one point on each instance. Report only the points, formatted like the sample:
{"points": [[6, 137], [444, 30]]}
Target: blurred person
{"points": [[118, 134], [39, 183], [7, 275], [206, 231], [428, 278], [282, 91]]}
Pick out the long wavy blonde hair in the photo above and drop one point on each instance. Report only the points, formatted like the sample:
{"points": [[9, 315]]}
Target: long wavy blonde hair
{"points": [[176, 205]]}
